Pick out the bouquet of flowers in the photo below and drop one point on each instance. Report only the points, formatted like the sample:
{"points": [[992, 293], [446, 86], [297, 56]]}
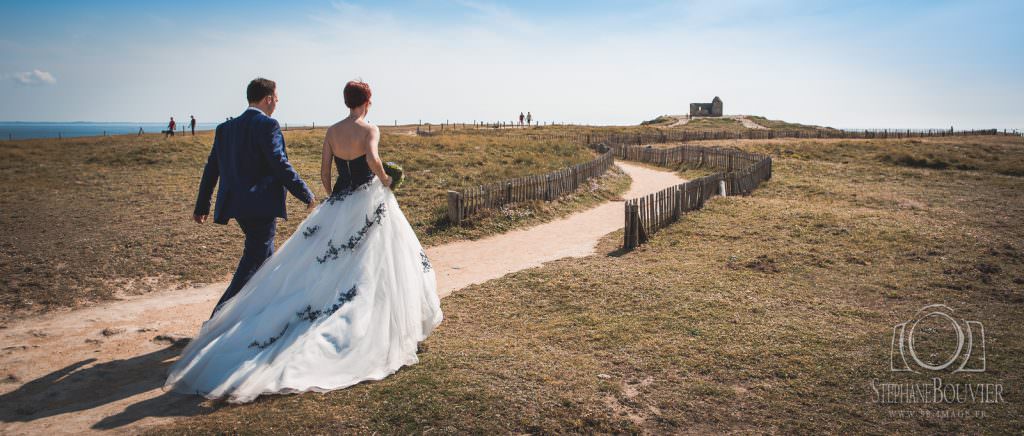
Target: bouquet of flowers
{"points": [[396, 173]]}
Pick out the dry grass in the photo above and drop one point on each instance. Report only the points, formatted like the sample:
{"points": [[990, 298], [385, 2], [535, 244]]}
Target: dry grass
{"points": [[89, 219], [660, 120], [998, 154], [769, 313], [784, 125]]}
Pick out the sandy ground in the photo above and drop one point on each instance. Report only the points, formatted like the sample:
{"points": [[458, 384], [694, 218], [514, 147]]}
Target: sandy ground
{"points": [[681, 120], [100, 369], [749, 123]]}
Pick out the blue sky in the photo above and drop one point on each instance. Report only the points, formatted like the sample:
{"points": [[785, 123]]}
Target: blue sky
{"points": [[912, 64]]}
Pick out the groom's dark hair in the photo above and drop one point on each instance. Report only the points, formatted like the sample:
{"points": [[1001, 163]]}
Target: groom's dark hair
{"points": [[259, 89]]}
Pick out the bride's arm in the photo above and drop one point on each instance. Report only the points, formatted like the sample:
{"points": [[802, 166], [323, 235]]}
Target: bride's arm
{"points": [[325, 166], [374, 158]]}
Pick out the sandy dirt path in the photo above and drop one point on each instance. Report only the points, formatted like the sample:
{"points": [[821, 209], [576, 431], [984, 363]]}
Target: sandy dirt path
{"points": [[749, 123], [682, 120], [100, 369]]}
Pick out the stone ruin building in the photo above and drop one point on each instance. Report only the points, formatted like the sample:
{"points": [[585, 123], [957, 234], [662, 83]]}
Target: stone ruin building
{"points": [[713, 109]]}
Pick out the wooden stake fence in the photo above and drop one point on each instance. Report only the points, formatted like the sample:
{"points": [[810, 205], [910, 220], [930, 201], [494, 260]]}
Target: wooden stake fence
{"points": [[468, 201], [742, 173]]}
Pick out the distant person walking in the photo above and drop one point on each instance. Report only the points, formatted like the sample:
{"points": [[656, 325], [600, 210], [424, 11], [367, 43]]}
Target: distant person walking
{"points": [[521, 118], [192, 124], [529, 118], [170, 128]]}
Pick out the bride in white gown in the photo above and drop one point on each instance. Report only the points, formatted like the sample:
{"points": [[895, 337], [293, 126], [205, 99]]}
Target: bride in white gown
{"points": [[347, 298]]}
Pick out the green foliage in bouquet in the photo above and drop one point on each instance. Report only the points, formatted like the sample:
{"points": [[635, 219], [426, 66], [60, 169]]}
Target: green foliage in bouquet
{"points": [[396, 173]]}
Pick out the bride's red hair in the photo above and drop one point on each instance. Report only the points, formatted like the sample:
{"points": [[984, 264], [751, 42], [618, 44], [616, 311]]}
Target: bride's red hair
{"points": [[356, 93]]}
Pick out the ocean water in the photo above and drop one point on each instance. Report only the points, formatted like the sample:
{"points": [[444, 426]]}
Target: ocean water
{"points": [[28, 130]]}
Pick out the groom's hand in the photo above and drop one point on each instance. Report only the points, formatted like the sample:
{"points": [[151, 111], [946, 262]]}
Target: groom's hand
{"points": [[312, 203], [199, 219]]}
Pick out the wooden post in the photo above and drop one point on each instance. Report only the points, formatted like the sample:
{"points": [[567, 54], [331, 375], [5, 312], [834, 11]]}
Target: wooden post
{"points": [[547, 188], [677, 208], [634, 233], [454, 207], [627, 230], [641, 232]]}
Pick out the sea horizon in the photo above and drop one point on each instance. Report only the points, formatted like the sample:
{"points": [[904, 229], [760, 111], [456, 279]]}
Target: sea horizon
{"points": [[16, 130]]}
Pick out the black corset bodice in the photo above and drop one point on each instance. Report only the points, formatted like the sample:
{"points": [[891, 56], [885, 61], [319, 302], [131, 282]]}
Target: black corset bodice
{"points": [[351, 173]]}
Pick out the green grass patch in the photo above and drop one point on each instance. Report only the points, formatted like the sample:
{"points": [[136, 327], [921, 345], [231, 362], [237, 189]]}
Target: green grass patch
{"points": [[660, 120], [785, 125]]}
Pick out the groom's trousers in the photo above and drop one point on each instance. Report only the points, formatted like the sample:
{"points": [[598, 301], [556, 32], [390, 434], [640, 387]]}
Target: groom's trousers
{"points": [[259, 245]]}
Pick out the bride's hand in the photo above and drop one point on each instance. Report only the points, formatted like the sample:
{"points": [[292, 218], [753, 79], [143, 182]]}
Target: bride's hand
{"points": [[387, 182]]}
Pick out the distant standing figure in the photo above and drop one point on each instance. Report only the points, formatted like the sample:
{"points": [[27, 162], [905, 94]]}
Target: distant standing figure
{"points": [[520, 118], [192, 124], [170, 128], [529, 118]]}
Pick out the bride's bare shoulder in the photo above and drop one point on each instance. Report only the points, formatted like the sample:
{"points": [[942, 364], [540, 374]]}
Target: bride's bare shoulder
{"points": [[367, 127], [338, 126]]}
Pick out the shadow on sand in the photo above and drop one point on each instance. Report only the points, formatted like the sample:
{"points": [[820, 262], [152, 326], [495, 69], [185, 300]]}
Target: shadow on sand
{"points": [[79, 387]]}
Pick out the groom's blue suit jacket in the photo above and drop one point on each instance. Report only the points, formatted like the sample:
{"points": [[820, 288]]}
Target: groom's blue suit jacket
{"points": [[249, 157]]}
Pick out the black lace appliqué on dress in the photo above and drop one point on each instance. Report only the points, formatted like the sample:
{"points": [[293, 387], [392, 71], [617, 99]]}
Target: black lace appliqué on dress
{"points": [[310, 231], [309, 315], [342, 194], [353, 241], [425, 262], [271, 340]]}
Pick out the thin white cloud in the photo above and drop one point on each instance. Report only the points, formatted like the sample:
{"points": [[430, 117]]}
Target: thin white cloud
{"points": [[492, 14], [34, 77]]}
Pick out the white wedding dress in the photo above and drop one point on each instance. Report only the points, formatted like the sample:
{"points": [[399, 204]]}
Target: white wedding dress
{"points": [[347, 298]]}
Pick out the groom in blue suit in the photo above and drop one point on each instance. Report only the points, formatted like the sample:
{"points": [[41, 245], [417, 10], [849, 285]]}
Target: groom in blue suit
{"points": [[250, 159]]}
